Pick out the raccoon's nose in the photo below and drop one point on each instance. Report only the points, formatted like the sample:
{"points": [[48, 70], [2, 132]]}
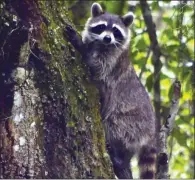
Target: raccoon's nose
{"points": [[107, 39]]}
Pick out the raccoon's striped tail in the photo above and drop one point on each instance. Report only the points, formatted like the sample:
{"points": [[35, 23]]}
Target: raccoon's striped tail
{"points": [[147, 162]]}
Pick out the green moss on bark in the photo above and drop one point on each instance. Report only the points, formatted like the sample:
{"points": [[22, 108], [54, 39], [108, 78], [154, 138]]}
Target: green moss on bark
{"points": [[84, 128]]}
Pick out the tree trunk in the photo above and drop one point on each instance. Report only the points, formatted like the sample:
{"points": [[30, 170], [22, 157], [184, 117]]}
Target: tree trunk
{"points": [[50, 125]]}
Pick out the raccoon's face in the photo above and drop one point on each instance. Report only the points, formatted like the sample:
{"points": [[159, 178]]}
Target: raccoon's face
{"points": [[107, 29]]}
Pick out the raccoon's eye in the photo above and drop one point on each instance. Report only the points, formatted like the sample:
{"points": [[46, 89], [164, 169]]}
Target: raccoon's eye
{"points": [[117, 33], [98, 29]]}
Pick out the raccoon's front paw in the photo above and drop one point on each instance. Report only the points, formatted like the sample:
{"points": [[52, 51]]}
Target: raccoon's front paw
{"points": [[73, 37], [70, 33]]}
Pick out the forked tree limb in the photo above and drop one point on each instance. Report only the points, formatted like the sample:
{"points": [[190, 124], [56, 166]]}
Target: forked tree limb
{"points": [[162, 163]]}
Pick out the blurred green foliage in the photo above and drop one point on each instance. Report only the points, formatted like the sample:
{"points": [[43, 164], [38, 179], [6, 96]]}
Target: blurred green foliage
{"points": [[175, 32]]}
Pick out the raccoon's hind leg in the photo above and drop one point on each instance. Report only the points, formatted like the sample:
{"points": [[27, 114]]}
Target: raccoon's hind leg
{"points": [[147, 162], [121, 162]]}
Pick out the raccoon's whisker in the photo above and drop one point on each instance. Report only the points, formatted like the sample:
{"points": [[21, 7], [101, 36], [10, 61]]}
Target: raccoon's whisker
{"points": [[121, 45], [118, 47], [120, 40], [118, 43], [115, 45], [95, 36]]}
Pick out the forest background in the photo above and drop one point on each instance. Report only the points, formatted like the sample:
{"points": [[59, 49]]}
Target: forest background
{"points": [[48, 105]]}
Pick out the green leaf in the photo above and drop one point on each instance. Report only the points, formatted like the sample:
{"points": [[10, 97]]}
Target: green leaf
{"points": [[166, 1], [168, 20], [170, 94], [149, 82], [155, 5], [141, 44], [181, 137]]}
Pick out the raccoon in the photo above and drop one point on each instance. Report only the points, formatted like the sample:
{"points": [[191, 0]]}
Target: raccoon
{"points": [[126, 111]]}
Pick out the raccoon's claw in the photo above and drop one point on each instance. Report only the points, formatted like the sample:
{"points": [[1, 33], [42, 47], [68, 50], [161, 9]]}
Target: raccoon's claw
{"points": [[73, 37], [69, 32]]}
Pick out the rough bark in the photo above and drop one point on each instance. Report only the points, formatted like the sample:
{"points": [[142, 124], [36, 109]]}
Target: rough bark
{"points": [[166, 129], [57, 131]]}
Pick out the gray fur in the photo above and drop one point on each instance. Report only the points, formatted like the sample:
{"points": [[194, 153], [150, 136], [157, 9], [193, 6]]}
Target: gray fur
{"points": [[126, 110]]}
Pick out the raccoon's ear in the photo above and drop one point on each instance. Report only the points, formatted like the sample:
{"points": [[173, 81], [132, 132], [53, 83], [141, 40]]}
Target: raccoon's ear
{"points": [[96, 9], [128, 18]]}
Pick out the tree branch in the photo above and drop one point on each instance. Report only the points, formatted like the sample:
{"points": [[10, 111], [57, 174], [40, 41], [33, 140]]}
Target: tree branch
{"points": [[162, 164], [151, 28]]}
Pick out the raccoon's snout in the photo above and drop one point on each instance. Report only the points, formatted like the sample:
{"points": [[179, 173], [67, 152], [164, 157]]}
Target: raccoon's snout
{"points": [[107, 39]]}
